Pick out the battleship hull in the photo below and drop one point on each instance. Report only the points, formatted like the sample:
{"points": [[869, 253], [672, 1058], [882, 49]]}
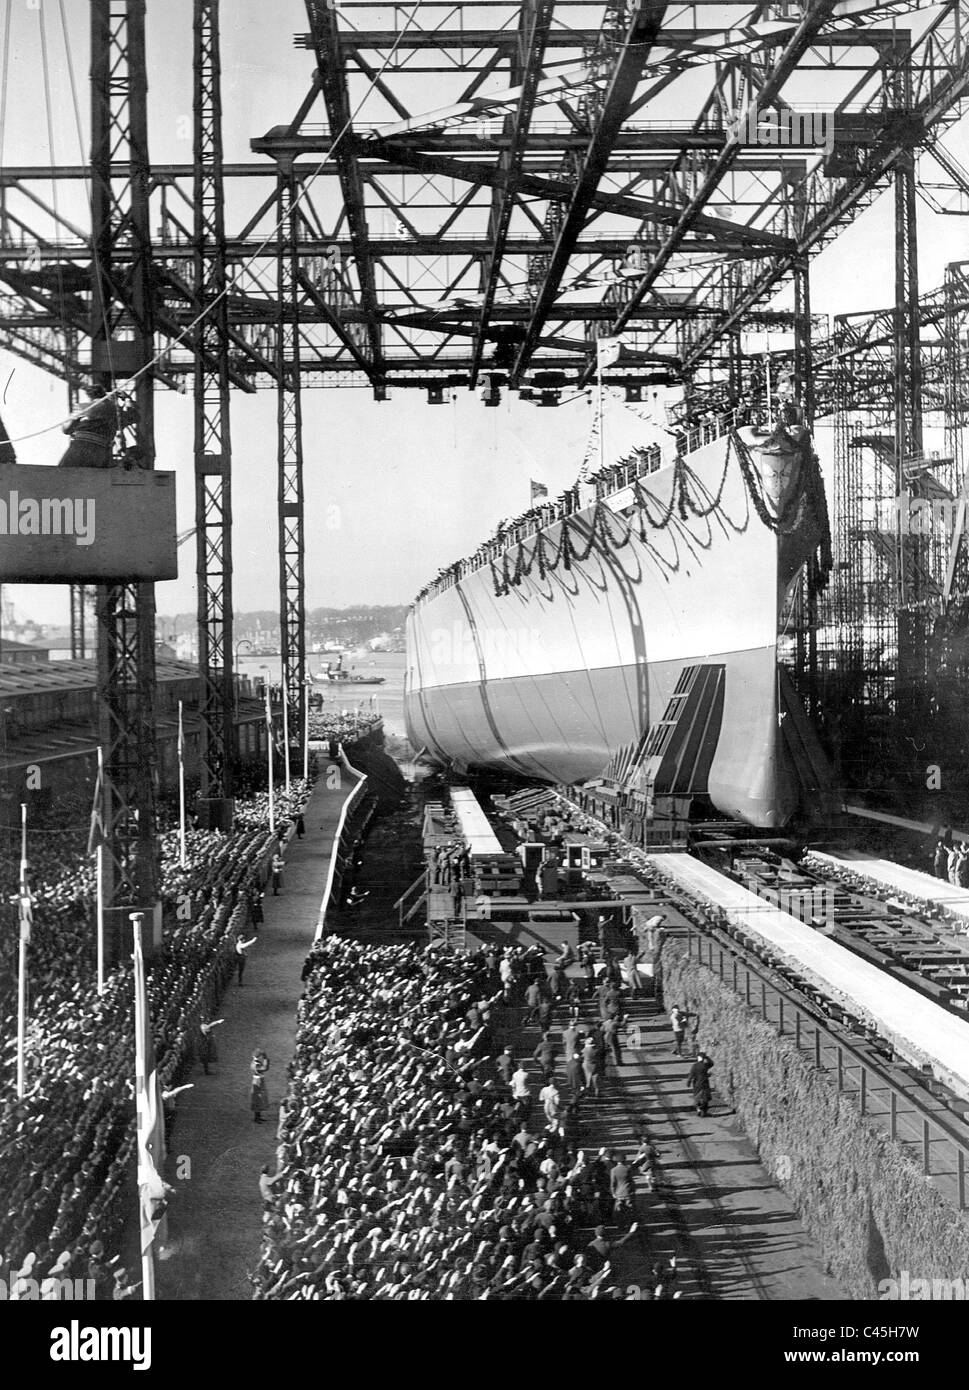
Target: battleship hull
{"points": [[550, 674]]}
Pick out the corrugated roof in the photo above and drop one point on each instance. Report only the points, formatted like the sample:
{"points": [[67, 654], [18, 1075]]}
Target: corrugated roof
{"points": [[43, 678]]}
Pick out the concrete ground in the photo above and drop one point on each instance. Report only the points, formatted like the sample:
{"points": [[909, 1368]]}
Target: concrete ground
{"points": [[217, 1150], [737, 1236], [734, 1232]]}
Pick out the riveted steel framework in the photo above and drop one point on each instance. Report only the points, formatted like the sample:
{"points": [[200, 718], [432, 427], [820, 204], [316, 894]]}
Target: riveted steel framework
{"points": [[213, 443], [292, 579], [78, 592], [122, 343], [455, 200]]}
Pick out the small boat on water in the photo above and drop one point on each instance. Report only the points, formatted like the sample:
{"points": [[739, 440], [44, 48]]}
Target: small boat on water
{"points": [[341, 675]]}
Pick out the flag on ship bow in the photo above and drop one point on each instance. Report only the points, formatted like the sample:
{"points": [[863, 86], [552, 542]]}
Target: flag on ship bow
{"points": [[607, 352], [148, 1110], [539, 490]]}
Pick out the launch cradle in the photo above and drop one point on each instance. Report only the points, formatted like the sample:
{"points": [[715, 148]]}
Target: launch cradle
{"points": [[86, 525]]}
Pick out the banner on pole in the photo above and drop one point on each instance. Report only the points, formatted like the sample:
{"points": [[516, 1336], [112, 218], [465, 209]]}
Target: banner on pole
{"points": [[26, 901], [607, 352], [26, 916], [97, 833], [149, 1111]]}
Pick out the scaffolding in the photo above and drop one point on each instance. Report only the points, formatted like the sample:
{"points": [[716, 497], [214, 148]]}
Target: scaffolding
{"points": [[890, 626]]}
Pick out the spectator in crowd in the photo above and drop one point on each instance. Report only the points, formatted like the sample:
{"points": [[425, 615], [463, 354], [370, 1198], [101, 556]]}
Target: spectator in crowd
{"points": [[405, 1177], [545, 1054], [939, 862], [171, 1109], [256, 916], [207, 1050], [241, 947], [277, 873], [678, 1022], [266, 1181], [259, 1093], [67, 1148], [699, 1079]]}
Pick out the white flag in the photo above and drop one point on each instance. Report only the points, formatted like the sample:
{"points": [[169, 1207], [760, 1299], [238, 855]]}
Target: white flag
{"points": [[149, 1111], [607, 351]]}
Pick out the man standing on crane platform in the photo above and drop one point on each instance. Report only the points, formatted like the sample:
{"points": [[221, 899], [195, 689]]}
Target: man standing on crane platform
{"points": [[92, 433]]}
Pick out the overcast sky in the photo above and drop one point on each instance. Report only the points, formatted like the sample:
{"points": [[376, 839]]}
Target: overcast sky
{"points": [[405, 487]]}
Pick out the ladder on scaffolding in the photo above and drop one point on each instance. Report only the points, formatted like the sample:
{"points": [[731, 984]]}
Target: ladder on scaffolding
{"points": [[404, 911]]}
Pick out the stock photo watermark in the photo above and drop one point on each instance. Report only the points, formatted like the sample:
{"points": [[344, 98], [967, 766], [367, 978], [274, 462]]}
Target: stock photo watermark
{"points": [[458, 644], [48, 516], [814, 906], [906, 515], [906, 1289], [15, 1288], [773, 128]]}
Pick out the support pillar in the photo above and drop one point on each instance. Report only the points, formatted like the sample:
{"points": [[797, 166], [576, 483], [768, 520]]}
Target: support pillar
{"points": [[122, 346], [213, 445], [292, 612]]}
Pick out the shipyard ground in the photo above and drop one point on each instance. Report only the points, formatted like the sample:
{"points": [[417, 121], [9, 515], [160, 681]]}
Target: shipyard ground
{"points": [[734, 1232], [736, 1236]]}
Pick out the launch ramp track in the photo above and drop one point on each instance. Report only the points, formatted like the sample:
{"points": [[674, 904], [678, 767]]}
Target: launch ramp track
{"points": [[801, 1002], [916, 1027], [896, 878], [890, 1094], [474, 824]]}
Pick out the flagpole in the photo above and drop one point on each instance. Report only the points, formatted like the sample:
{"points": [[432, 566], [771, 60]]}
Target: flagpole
{"points": [[306, 728], [99, 870], [286, 730], [269, 749], [768, 380], [181, 791], [602, 420], [141, 1081], [22, 957], [97, 821]]}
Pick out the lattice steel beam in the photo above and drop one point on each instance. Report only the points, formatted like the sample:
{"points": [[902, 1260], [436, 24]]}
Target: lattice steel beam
{"points": [[78, 592], [323, 24], [125, 612], [290, 501], [213, 441], [534, 26], [559, 191], [940, 58], [643, 30]]}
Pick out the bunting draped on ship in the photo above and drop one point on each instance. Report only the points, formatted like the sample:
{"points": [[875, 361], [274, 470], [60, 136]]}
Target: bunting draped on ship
{"points": [[804, 499]]}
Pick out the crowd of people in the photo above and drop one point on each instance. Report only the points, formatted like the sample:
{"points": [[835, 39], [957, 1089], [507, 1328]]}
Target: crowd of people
{"points": [[951, 862], [67, 1147], [506, 533], [422, 1159], [342, 726], [701, 427]]}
